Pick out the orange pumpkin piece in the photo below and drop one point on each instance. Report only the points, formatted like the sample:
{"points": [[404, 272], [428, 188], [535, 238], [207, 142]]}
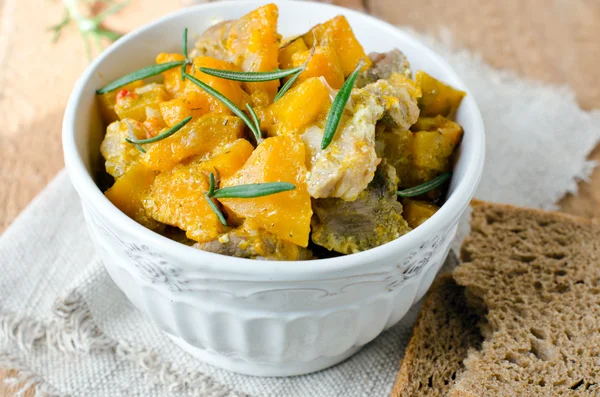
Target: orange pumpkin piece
{"points": [[417, 211], [253, 44], [432, 146], [177, 196], [107, 102], [337, 33], [172, 77], [228, 159], [303, 105], [197, 98], [438, 98], [133, 104], [198, 137], [285, 214], [129, 191], [287, 52], [324, 62]]}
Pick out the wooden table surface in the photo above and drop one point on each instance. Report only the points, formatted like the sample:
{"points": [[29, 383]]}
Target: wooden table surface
{"points": [[553, 41]]}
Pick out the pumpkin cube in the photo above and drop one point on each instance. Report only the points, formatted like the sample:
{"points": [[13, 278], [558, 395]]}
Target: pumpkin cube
{"points": [[438, 98], [226, 160], [303, 105], [107, 102], [172, 77], [133, 104], [287, 51], [177, 196], [128, 192], [196, 138], [253, 43], [324, 62], [337, 33], [201, 101], [432, 149], [285, 214], [417, 211]]}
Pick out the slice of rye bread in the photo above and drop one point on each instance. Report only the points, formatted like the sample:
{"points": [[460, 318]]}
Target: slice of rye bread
{"points": [[445, 330], [538, 276]]}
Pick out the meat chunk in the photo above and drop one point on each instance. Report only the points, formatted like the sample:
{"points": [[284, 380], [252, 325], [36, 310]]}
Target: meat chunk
{"points": [[248, 241], [375, 218], [400, 96], [348, 164], [119, 154], [384, 65]]}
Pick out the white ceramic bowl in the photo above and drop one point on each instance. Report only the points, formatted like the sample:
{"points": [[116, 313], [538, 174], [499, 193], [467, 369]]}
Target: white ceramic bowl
{"points": [[258, 317]]}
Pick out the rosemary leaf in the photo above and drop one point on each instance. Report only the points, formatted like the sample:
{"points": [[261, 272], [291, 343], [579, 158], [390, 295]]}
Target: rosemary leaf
{"points": [[255, 120], [337, 107], [215, 209], [237, 111], [211, 187], [287, 86], [425, 187], [251, 77], [185, 43], [162, 136], [253, 190], [143, 73]]}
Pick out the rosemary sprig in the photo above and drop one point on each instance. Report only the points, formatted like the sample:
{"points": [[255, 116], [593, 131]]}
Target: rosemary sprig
{"points": [[140, 74], [212, 205], [185, 53], [254, 116], [251, 190], [425, 187], [160, 137], [252, 77], [89, 26], [337, 107], [223, 99], [286, 86]]}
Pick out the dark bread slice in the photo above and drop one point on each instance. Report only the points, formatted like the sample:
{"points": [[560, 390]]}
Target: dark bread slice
{"points": [[445, 330], [538, 275]]}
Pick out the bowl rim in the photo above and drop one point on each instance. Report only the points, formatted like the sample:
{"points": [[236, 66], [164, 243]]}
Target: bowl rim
{"points": [[448, 212]]}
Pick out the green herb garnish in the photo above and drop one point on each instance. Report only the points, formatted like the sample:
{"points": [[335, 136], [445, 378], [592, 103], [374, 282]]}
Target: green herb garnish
{"points": [[252, 77], [160, 137], [141, 74], [237, 111], [250, 190], [213, 206], [253, 190], [185, 52], [425, 187], [337, 107]]}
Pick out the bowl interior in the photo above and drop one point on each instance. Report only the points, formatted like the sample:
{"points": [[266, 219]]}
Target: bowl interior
{"points": [[139, 49]]}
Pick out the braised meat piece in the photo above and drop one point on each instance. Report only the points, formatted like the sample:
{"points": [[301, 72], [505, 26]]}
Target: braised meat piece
{"points": [[375, 218], [384, 65], [248, 241]]}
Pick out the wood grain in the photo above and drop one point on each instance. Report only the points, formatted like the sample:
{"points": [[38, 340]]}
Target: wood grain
{"points": [[554, 41]]}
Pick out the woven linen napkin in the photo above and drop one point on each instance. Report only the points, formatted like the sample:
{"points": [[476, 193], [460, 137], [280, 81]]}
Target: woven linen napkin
{"points": [[69, 331]]}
